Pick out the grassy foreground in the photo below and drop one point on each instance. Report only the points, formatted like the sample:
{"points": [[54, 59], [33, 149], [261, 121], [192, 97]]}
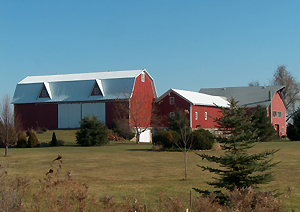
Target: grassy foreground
{"points": [[126, 168]]}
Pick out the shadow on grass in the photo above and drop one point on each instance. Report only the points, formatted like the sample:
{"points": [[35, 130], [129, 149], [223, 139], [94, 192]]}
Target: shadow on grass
{"points": [[142, 150]]}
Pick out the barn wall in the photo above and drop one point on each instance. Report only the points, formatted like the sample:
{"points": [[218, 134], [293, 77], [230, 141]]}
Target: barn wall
{"points": [[165, 107], [37, 115], [278, 106], [141, 102], [212, 112], [115, 109]]}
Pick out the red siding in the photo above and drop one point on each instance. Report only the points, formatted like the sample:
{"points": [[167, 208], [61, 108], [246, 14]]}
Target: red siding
{"points": [[37, 115], [141, 102], [165, 107], [212, 112], [112, 111], [278, 106]]}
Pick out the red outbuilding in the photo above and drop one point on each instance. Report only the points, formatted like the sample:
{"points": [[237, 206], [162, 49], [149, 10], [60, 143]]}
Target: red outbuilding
{"points": [[201, 108], [61, 101], [268, 96]]}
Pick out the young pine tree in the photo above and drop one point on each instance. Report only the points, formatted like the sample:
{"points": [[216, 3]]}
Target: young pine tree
{"points": [[238, 169]]}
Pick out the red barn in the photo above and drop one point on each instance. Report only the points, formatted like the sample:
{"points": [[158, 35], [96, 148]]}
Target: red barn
{"points": [[61, 101], [268, 96], [202, 108]]}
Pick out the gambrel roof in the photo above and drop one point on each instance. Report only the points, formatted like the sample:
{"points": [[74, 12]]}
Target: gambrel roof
{"points": [[78, 87], [247, 96], [196, 98]]}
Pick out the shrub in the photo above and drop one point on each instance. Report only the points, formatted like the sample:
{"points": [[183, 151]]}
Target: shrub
{"points": [[166, 139], [54, 140], [22, 140], [202, 139], [122, 128], [32, 140], [92, 132]]}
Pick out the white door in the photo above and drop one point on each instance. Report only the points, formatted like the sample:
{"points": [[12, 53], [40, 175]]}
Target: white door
{"points": [[69, 115], [96, 109]]}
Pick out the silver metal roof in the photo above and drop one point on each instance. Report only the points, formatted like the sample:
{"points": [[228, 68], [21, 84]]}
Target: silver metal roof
{"points": [[77, 87], [247, 96], [196, 98]]}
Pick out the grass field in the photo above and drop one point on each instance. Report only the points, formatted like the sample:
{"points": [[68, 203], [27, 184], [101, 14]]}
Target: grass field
{"points": [[126, 168]]}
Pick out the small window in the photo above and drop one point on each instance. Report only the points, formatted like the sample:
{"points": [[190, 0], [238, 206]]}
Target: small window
{"points": [[196, 115], [282, 129], [172, 114], [44, 93], [274, 114], [205, 115], [143, 77], [172, 100], [279, 114], [96, 91]]}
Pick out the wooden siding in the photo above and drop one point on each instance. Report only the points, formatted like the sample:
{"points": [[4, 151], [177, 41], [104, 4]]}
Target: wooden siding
{"points": [[212, 112], [141, 102], [278, 106], [37, 115], [114, 109], [165, 108]]}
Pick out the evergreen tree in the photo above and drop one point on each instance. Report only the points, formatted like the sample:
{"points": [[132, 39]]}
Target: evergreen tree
{"points": [[237, 169], [92, 132], [293, 130], [54, 140], [261, 122]]}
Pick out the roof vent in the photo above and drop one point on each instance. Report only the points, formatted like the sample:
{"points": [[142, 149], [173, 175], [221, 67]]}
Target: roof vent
{"points": [[264, 87], [224, 89]]}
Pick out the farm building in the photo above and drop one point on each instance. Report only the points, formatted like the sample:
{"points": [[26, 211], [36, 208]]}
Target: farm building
{"points": [[61, 101], [202, 108], [268, 96]]}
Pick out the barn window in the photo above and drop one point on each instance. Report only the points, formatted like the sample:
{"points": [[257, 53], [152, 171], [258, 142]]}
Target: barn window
{"points": [[96, 91], [205, 115], [274, 113], [196, 115], [172, 100], [44, 93], [279, 114], [172, 114], [143, 77]]}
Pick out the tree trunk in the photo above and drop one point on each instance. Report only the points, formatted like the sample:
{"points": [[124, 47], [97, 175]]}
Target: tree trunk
{"points": [[137, 137], [6, 149], [185, 163]]}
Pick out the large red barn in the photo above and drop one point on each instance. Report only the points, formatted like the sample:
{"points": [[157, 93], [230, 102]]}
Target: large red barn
{"points": [[61, 101]]}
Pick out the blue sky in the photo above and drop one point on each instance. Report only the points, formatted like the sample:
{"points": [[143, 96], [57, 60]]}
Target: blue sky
{"points": [[182, 44]]}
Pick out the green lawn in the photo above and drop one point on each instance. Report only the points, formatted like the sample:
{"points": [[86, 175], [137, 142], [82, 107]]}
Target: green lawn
{"points": [[126, 168]]}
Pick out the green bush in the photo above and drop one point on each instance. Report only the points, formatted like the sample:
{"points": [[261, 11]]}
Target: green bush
{"points": [[92, 132], [54, 140], [32, 140], [22, 140], [202, 139], [166, 139]]}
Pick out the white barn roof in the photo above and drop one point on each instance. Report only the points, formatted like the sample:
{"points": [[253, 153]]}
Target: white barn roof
{"points": [[78, 87], [196, 98]]}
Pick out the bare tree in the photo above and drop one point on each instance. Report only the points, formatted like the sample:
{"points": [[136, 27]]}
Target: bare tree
{"points": [[254, 83], [291, 91], [140, 113], [180, 123], [8, 133]]}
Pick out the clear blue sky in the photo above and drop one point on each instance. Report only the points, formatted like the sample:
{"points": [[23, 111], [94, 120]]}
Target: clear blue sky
{"points": [[183, 44]]}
